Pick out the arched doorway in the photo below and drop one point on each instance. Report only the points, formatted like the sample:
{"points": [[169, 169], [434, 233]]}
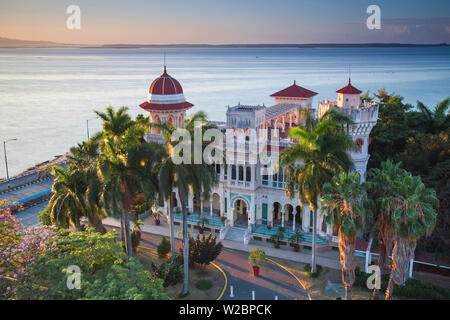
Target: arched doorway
{"points": [[276, 212], [216, 203], [288, 209], [240, 212], [298, 216], [170, 122]]}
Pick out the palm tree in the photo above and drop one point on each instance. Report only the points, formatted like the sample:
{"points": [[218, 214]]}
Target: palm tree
{"points": [[115, 123], [197, 179], [413, 214], [381, 184], [125, 165], [166, 176], [66, 206], [320, 153], [77, 189], [437, 120], [342, 199], [83, 158]]}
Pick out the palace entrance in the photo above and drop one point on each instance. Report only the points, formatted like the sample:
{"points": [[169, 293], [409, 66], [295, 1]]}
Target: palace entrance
{"points": [[240, 213]]}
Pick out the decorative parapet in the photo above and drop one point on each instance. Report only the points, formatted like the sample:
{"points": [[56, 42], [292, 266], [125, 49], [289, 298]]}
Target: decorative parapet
{"points": [[365, 112]]}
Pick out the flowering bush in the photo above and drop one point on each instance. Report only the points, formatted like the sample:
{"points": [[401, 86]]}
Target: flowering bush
{"points": [[104, 269], [9, 239], [34, 263], [19, 249]]}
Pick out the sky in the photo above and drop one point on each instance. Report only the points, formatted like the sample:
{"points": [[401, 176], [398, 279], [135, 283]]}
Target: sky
{"points": [[226, 22]]}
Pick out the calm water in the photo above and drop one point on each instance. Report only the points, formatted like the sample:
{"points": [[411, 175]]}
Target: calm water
{"points": [[46, 95]]}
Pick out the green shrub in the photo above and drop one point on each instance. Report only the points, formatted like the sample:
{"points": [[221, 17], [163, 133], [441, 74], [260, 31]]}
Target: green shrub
{"points": [[257, 257], [170, 272], [204, 250], [276, 238], [163, 248], [203, 284], [44, 217], [313, 274]]}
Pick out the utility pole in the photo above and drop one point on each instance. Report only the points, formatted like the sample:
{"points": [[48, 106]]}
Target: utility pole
{"points": [[87, 126], [6, 158]]}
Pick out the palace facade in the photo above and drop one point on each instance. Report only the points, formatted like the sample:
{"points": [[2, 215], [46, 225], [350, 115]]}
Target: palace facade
{"points": [[249, 194]]}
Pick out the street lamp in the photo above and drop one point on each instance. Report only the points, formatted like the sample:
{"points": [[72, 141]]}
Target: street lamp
{"points": [[87, 126], [6, 159]]}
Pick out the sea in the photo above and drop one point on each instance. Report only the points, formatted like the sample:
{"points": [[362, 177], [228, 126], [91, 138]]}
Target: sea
{"points": [[47, 96]]}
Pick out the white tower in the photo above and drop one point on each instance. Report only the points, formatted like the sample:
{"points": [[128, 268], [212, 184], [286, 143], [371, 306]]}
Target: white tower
{"points": [[364, 115]]}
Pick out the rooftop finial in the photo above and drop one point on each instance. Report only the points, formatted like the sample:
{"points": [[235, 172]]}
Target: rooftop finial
{"points": [[349, 74], [165, 62], [294, 82]]}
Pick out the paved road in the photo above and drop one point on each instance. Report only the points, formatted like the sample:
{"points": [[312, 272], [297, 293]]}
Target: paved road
{"points": [[273, 280], [27, 191], [18, 181], [29, 216]]}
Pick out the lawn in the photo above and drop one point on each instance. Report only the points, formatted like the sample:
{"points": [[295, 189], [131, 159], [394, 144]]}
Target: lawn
{"points": [[196, 273]]}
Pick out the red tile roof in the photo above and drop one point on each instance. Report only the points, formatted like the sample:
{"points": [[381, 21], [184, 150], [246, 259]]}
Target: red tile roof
{"points": [[349, 89], [294, 91]]}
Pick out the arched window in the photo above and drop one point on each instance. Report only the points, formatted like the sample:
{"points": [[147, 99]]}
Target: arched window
{"points": [[241, 173], [233, 172], [265, 176], [248, 173]]}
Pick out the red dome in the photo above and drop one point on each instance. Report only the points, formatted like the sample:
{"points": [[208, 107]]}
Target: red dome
{"points": [[165, 84], [166, 94]]}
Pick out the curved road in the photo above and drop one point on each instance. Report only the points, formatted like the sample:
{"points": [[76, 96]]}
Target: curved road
{"points": [[273, 281]]}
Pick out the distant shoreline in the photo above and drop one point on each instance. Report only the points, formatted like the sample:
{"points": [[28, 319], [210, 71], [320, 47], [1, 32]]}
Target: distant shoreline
{"points": [[248, 46]]}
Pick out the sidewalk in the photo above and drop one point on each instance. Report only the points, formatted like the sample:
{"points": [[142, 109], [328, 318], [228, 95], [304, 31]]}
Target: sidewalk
{"points": [[328, 259]]}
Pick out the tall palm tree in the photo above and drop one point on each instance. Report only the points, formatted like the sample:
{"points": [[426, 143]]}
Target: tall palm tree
{"points": [[437, 120], [167, 173], [413, 215], [67, 202], [83, 158], [342, 203], [186, 178], [381, 184], [320, 153], [77, 189], [125, 165]]}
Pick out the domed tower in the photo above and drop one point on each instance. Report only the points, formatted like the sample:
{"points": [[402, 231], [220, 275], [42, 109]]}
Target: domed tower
{"points": [[166, 101]]}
